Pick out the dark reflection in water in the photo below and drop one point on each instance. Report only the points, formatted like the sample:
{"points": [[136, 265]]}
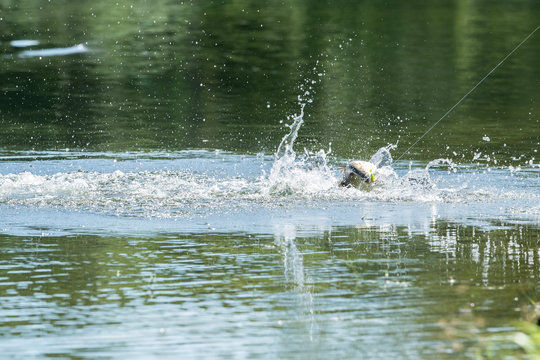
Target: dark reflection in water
{"points": [[375, 291], [220, 74]]}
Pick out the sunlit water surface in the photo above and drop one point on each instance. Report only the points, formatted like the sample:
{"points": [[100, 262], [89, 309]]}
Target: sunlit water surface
{"points": [[159, 200], [217, 254]]}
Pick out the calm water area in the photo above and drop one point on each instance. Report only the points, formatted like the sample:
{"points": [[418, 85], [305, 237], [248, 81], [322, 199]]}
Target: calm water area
{"points": [[169, 178]]}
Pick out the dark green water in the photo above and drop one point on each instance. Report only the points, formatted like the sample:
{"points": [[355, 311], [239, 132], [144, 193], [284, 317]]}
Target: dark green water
{"points": [[170, 75], [143, 213]]}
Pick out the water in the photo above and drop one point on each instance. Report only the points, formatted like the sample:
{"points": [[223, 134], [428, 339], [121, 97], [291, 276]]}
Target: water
{"points": [[169, 172]]}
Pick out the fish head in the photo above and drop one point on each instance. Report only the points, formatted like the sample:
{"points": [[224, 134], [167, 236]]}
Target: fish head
{"points": [[357, 173]]}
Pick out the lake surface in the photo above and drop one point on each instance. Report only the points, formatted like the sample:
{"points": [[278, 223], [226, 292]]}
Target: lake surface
{"points": [[169, 179]]}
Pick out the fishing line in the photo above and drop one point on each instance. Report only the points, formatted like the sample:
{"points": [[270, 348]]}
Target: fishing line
{"points": [[469, 92]]}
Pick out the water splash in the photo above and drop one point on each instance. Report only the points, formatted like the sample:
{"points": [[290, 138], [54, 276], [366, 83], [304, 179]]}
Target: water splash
{"points": [[285, 155], [197, 185], [421, 178], [382, 157], [194, 184], [416, 184], [291, 174], [310, 175]]}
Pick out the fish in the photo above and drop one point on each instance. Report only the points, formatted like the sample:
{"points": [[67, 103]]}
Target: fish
{"points": [[357, 174]]}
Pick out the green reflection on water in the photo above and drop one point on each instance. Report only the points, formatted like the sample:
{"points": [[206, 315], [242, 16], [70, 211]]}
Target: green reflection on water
{"points": [[342, 292], [176, 75]]}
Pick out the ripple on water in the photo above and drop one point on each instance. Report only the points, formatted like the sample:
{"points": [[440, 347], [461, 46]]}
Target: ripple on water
{"points": [[341, 290]]}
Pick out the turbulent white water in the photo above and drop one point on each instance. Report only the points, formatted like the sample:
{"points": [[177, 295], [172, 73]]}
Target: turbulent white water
{"points": [[203, 184]]}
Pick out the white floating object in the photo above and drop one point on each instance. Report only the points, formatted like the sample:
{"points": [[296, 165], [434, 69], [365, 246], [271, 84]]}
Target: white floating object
{"points": [[23, 43], [77, 49]]}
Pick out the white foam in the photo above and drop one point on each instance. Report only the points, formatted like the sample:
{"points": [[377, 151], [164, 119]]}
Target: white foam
{"points": [[195, 183], [307, 180]]}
